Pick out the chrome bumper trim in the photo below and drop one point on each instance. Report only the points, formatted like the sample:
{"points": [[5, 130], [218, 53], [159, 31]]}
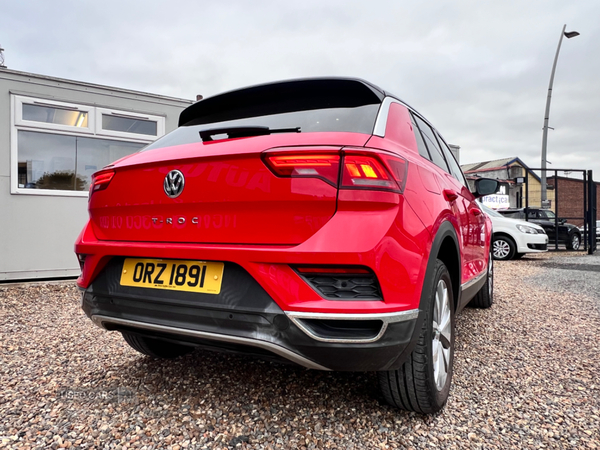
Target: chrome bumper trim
{"points": [[386, 319], [274, 348]]}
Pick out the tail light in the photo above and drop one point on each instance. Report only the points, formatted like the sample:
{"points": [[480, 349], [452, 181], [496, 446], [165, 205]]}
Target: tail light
{"points": [[374, 172], [359, 170], [366, 172], [306, 165], [398, 168], [101, 180]]}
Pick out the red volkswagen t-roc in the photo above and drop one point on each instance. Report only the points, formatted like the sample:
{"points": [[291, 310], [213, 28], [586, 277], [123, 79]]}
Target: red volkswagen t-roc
{"points": [[322, 221]]}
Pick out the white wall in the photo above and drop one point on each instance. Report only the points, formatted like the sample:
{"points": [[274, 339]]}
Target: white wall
{"points": [[37, 232]]}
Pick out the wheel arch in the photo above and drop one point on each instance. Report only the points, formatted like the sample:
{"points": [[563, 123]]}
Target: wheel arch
{"points": [[504, 235], [445, 247]]}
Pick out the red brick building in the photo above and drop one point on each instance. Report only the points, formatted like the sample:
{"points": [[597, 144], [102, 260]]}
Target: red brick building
{"points": [[570, 198]]}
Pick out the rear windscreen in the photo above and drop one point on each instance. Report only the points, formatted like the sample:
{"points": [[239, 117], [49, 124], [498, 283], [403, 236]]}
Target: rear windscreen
{"points": [[305, 106]]}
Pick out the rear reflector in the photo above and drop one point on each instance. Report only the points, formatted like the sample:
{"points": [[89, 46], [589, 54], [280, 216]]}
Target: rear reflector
{"points": [[81, 258], [101, 180], [306, 165], [342, 283]]}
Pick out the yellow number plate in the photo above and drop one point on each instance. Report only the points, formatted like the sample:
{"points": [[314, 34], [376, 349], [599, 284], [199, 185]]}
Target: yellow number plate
{"points": [[176, 275]]}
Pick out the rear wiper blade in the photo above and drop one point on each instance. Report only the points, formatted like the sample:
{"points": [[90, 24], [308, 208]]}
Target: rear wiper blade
{"points": [[238, 132]]}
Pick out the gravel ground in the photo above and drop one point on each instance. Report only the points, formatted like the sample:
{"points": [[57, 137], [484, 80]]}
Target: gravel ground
{"points": [[526, 376]]}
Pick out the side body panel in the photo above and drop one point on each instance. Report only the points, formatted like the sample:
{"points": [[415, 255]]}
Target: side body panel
{"points": [[427, 192]]}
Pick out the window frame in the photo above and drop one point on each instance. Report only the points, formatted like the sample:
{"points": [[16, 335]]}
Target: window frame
{"points": [[17, 123], [20, 100], [100, 131]]}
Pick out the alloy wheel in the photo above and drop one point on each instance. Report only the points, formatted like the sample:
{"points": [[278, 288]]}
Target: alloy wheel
{"points": [[575, 242], [442, 335], [501, 249]]}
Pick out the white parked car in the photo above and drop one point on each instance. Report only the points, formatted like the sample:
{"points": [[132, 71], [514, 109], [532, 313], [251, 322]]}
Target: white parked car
{"points": [[513, 238]]}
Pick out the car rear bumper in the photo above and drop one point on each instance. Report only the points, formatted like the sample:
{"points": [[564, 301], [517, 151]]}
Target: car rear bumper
{"points": [[265, 306], [392, 255], [255, 325]]}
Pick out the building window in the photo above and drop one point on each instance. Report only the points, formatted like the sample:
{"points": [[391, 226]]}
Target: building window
{"points": [[58, 146], [128, 125], [61, 162], [55, 115]]}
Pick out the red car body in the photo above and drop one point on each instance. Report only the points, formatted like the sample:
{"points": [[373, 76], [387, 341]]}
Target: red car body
{"points": [[284, 211]]}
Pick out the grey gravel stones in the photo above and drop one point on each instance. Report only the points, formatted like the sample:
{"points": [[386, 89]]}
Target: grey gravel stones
{"points": [[527, 375]]}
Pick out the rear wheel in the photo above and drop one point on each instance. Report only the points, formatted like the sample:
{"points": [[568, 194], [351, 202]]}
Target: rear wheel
{"points": [[503, 248], [485, 297], [574, 242], [422, 383], [155, 347]]}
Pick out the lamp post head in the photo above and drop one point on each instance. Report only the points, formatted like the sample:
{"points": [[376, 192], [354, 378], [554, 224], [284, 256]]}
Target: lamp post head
{"points": [[571, 34]]}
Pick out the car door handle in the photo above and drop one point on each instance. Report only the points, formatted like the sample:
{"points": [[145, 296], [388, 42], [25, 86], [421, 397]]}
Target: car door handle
{"points": [[450, 195]]}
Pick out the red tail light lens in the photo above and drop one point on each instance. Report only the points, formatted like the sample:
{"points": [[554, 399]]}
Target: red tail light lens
{"points": [[306, 165], [398, 168], [360, 169], [366, 172], [101, 180]]}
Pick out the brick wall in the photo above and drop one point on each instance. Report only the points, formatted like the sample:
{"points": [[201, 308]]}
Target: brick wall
{"points": [[570, 199]]}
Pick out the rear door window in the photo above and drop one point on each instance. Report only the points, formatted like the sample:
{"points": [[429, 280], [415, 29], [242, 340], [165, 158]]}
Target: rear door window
{"points": [[454, 167], [432, 144], [420, 142]]}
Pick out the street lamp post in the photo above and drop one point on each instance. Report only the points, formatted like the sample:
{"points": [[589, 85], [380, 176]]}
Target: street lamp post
{"points": [[568, 35]]}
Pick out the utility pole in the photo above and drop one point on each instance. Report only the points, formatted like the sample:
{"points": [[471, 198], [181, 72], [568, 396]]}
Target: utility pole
{"points": [[569, 35]]}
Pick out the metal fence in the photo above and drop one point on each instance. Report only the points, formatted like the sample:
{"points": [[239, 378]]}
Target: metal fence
{"points": [[572, 197]]}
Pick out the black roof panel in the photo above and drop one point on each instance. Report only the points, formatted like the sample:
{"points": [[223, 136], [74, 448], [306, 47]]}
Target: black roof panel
{"points": [[282, 97]]}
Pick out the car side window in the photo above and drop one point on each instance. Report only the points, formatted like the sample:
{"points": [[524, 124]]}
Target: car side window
{"points": [[531, 215], [420, 142], [432, 145], [454, 167]]}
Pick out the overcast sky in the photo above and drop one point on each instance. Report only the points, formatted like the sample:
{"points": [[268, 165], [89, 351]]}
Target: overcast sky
{"points": [[477, 69]]}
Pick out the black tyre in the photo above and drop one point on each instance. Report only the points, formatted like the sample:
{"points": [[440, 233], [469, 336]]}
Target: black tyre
{"points": [[155, 347], [574, 242], [503, 248], [485, 297], [422, 383]]}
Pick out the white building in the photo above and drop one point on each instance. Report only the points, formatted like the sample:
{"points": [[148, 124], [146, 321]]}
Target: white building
{"points": [[54, 134]]}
